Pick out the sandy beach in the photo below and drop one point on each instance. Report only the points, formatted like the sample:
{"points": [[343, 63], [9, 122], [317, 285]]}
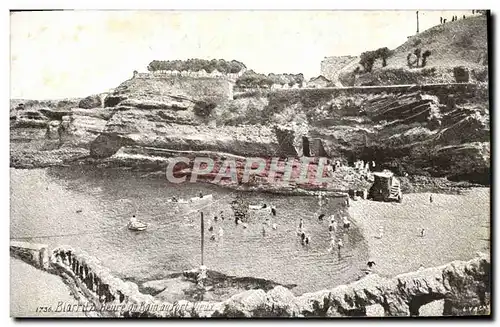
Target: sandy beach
{"points": [[456, 228]]}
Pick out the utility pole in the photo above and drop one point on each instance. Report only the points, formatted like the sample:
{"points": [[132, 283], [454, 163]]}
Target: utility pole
{"points": [[417, 21], [202, 236]]}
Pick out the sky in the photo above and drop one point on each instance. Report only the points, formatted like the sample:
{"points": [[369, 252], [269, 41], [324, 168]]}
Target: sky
{"points": [[62, 54]]}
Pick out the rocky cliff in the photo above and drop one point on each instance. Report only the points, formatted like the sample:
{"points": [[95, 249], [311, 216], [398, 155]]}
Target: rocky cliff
{"points": [[436, 130]]}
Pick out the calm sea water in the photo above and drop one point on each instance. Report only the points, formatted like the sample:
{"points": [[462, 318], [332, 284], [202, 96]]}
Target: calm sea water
{"points": [[44, 205]]}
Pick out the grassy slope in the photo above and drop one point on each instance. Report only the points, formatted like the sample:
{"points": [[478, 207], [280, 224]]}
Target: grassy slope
{"points": [[463, 42], [459, 43]]}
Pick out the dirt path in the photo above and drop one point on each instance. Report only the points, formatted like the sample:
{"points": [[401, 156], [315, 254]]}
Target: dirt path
{"points": [[456, 228]]}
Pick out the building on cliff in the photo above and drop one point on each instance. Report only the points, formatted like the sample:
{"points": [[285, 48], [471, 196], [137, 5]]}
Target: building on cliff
{"points": [[320, 81]]}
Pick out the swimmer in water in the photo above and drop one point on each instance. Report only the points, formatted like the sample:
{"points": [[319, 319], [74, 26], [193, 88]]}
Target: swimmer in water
{"points": [[201, 195], [174, 199], [275, 226], [221, 232], [221, 215], [347, 223], [211, 228], [320, 217], [307, 240], [212, 238]]}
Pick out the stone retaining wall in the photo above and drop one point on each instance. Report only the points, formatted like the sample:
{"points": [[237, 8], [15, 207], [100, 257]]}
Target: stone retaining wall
{"points": [[459, 284], [32, 253]]}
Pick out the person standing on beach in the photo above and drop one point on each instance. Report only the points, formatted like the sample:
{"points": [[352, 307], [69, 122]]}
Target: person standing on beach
{"points": [[332, 244], [340, 245], [301, 224], [430, 199], [422, 233], [380, 231]]}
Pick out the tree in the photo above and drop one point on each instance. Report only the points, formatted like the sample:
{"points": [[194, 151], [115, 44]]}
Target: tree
{"points": [[367, 59], [154, 65], [425, 55], [384, 54], [417, 53]]}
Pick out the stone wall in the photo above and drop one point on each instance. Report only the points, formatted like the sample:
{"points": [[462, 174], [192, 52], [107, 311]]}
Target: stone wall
{"points": [[459, 284], [32, 253]]}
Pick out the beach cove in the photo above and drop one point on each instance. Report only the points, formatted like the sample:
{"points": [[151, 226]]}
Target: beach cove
{"points": [[456, 227]]}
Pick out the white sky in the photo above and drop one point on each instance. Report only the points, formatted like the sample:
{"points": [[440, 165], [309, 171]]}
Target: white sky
{"points": [[78, 53]]}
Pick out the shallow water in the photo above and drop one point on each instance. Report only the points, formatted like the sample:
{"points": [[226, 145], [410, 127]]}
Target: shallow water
{"points": [[44, 204]]}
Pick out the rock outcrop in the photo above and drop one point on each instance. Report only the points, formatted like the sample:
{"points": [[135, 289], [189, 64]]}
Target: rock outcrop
{"points": [[92, 101], [437, 130]]}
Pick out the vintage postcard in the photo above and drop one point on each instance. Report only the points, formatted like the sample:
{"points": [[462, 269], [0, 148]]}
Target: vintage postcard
{"points": [[244, 164]]}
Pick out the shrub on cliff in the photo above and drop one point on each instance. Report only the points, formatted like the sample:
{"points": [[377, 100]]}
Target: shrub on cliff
{"points": [[92, 101], [425, 55], [203, 109], [368, 58], [195, 65], [251, 79]]}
